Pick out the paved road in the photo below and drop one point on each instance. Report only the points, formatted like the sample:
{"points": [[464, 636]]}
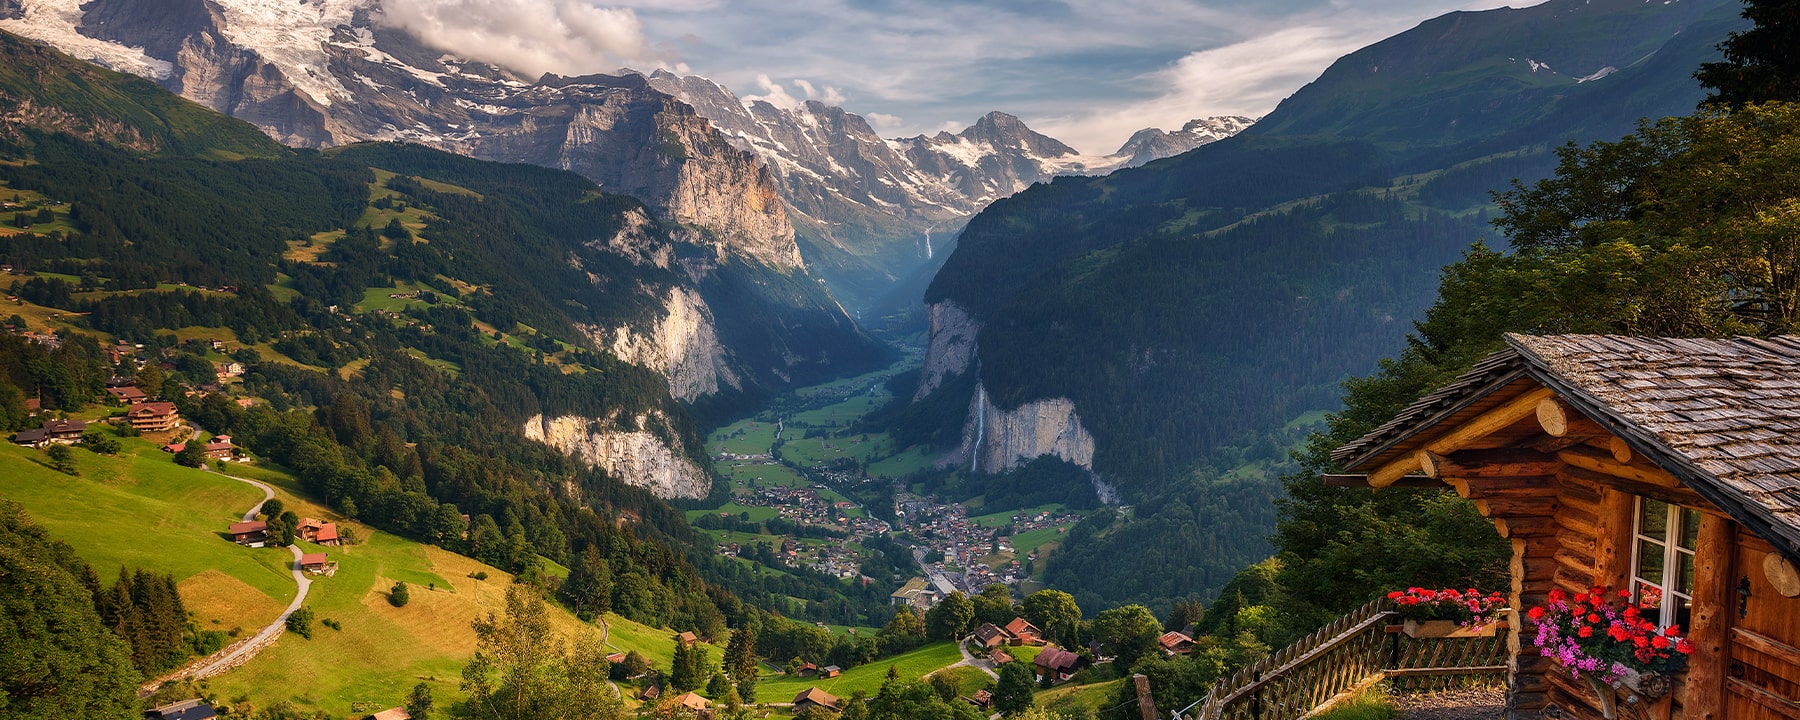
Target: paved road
{"points": [[245, 650], [986, 666]]}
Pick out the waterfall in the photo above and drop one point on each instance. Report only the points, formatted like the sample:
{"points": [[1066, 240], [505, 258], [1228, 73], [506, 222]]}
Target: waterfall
{"points": [[927, 244], [980, 428]]}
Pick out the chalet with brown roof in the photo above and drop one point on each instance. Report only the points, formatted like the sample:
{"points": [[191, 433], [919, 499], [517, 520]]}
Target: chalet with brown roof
{"points": [[1024, 632], [1056, 662], [64, 432], [808, 670], [228, 369], [317, 564], [687, 639], [616, 658], [390, 714], [220, 448], [314, 530], [1175, 643], [699, 707], [830, 671], [1667, 467], [251, 532], [127, 394], [153, 417], [650, 693], [999, 656], [35, 437], [814, 697], [990, 636], [981, 699]]}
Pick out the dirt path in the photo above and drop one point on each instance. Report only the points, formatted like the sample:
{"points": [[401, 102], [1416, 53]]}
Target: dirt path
{"points": [[241, 652], [986, 666], [1471, 704]]}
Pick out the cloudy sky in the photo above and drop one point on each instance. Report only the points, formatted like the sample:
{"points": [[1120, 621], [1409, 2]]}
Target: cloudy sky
{"points": [[1089, 72]]}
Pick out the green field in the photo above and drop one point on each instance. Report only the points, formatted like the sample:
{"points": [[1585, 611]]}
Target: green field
{"points": [[745, 437], [376, 298], [868, 678], [741, 473], [1093, 697], [904, 464], [656, 645], [757, 513], [1025, 542], [969, 680], [140, 509], [1002, 518]]}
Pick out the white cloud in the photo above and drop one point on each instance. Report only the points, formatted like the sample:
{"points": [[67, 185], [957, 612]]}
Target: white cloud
{"points": [[567, 37], [773, 93], [883, 121]]}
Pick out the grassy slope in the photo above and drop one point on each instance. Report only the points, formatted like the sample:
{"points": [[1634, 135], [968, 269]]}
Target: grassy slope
{"points": [[867, 678], [141, 510]]}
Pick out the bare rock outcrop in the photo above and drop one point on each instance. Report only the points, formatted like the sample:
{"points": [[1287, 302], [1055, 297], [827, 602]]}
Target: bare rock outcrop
{"points": [[636, 457], [682, 345], [952, 346], [996, 440]]}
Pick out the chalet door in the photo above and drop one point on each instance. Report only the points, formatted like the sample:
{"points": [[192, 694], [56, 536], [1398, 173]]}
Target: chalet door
{"points": [[1762, 680]]}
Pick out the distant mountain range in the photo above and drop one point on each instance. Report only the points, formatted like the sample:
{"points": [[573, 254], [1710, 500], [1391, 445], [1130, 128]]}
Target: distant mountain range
{"points": [[325, 73]]}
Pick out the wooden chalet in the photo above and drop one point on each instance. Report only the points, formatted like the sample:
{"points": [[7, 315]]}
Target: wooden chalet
{"points": [[1667, 466], [1175, 643], [1057, 663], [981, 699], [64, 432], [220, 448], [398, 713], [830, 671], [990, 636], [153, 417], [694, 705], [650, 693], [808, 670], [250, 532], [687, 639], [320, 532], [1023, 632], [127, 394], [814, 697], [317, 564]]}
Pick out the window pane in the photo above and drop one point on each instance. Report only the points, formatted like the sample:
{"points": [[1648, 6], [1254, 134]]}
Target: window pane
{"points": [[1647, 596], [1650, 561], [1684, 573], [1684, 613], [1690, 528], [1653, 518]]}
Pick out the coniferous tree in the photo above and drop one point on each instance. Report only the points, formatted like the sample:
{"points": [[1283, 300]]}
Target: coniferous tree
{"points": [[1760, 64], [60, 661], [399, 596]]}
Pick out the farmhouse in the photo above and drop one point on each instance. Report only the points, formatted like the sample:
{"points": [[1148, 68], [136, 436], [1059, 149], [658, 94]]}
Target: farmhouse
{"points": [[251, 532], [687, 639], [317, 564], [314, 530], [220, 448], [127, 394], [228, 369], [1056, 663], [699, 706], [830, 671], [1667, 467], [814, 697], [390, 714], [153, 417], [1024, 632], [990, 636], [1175, 643]]}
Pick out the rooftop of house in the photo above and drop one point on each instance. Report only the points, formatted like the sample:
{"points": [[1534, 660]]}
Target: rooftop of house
{"points": [[1720, 414], [816, 696]]}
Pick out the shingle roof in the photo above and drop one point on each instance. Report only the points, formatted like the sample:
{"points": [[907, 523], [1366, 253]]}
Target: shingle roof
{"points": [[1721, 414], [818, 696]]}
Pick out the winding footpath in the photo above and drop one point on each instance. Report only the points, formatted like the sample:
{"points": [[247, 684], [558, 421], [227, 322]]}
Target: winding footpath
{"points": [[243, 651]]}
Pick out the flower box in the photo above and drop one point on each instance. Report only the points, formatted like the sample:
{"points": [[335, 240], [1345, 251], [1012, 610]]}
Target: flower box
{"points": [[1447, 629]]}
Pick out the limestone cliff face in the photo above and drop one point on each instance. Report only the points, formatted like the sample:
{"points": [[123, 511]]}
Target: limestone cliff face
{"points": [[952, 346], [683, 345], [996, 440], [635, 457]]}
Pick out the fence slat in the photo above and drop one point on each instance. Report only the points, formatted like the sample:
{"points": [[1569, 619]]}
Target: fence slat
{"points": [[1347, 654]]}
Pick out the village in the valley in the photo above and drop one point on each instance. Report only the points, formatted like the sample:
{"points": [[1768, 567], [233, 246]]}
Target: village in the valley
{"points": [[802, 467]]}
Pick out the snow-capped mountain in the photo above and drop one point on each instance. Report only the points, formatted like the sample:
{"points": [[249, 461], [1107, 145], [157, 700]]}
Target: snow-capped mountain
{"points": [[867, 205], [320, 73], [1154, 144]]}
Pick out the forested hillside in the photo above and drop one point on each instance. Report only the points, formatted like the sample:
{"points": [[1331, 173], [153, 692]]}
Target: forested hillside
{"points": [[1191, 307]]}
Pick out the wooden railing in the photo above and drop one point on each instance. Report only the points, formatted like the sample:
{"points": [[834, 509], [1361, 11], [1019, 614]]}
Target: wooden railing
{"points": [[1344, 658]]}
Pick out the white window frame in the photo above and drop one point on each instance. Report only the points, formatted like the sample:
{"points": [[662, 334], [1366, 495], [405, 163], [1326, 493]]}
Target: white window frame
{"points": [[1671, 558]]}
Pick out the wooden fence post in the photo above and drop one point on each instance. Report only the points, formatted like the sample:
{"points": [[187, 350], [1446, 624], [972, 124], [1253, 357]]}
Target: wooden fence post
{"points": [[1146, 701]]}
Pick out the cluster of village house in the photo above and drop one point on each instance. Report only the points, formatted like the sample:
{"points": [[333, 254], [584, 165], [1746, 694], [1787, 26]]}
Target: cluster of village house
{"points": [[197, 709], [946, 528], [143, 412], [255, 533]]}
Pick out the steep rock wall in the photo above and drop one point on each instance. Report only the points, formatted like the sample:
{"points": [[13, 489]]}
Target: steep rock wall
{"points": [[636, 457], [683, 345], [997, 440], [952, 345]]}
